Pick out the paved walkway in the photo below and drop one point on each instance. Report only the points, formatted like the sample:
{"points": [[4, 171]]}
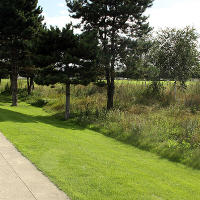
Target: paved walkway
{"points": [[20, 180]]}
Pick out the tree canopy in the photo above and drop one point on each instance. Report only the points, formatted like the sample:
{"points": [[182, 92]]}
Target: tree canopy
{"points": [[115, 21], [175, 53], [20, 21], [66, 58]]}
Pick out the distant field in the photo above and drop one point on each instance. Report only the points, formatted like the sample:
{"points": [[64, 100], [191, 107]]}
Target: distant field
{"points": [[140, 82], [136, 82], [4, 82]]}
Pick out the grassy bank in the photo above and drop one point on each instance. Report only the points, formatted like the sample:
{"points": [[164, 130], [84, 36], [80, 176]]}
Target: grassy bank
{"points": [[145, 115], [88, 165]]}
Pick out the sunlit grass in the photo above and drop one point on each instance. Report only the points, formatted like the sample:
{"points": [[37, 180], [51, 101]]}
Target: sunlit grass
{"points": [[87, 165]]}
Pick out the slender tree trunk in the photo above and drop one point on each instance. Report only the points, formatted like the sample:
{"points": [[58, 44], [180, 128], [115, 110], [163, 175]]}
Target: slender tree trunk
{"points": [[31, 83], [14, 86], [67, 107], [110, 73], [0, 80], [175, 89], [110, 96], [28, 86], [110, 87]]}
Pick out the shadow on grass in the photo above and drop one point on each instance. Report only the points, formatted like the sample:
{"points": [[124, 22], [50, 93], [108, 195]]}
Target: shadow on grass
{"points": [[8, 115]]}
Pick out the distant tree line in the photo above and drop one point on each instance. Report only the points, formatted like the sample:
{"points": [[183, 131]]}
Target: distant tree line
{"points": [[170, 54]]}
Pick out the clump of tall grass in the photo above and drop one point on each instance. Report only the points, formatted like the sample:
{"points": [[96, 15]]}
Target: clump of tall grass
{"points": [[5, 86], [193, 102]]}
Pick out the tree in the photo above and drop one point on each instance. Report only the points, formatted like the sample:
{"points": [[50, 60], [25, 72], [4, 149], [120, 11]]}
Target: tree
{"points": [[175, 54], [28, 68], [20, 21], [66, 58], [115, 21]]}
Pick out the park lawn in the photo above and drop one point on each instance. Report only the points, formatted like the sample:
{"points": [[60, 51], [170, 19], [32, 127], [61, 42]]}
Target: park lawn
{"points": [[87, 165]]}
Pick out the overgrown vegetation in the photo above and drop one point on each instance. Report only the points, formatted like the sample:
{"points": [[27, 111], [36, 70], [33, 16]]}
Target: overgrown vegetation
{"points": [[144, 115]]}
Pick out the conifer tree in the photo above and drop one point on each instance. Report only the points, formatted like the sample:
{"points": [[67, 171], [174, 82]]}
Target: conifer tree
{"points": [[20, 21], [115, 21], [66, 58]]}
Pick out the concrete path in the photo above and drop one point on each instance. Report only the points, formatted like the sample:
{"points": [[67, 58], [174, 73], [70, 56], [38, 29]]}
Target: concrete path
{"points": [[20, 180]]}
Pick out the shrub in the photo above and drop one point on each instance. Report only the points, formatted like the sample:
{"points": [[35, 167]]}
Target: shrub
{"points": [[39, 103], [152, 94]]}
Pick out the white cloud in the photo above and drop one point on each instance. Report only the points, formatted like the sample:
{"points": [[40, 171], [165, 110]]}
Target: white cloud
{"points": [[59, 21], [177, 15]]}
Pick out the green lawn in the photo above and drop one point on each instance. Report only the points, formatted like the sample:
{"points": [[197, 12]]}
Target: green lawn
{"points": [[89, 166]]}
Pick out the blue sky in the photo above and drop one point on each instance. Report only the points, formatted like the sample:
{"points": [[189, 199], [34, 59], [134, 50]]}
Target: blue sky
{"points": [[53, 8], [163, 13]]}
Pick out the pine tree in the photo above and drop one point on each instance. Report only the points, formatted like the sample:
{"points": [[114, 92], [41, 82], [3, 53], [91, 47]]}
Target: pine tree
{"points": [[20, 21], [66, 58], [115, 21]]}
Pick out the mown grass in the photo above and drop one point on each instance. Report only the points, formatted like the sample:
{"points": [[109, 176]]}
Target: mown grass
{"points": [[87, 165]]}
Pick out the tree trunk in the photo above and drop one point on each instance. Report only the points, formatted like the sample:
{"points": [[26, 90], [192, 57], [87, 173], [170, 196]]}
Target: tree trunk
{"points": [[175, 88], [110, 96], [67, 107], [14, 86], [110, 88], [28, 86], [110, 72], [31, 83], [0, 80]]}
